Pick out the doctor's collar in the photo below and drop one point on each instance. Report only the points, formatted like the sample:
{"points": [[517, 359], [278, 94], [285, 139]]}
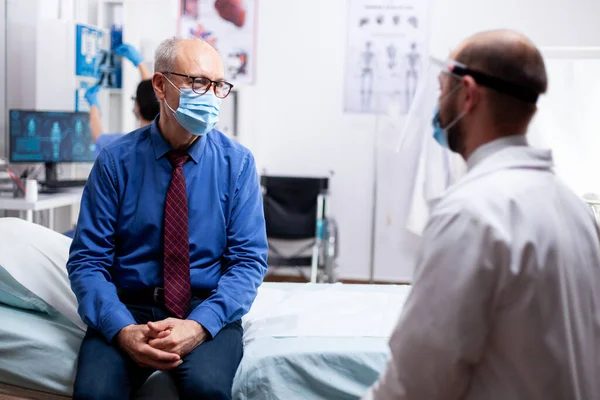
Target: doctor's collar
{"points": [[486, 150]]}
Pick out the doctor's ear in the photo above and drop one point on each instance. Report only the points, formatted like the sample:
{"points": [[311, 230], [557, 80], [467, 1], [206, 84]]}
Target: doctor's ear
{"points": [[159, 85], [472, 93]]}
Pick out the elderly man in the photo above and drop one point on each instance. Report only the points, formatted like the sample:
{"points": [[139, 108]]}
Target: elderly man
{"points": [[171, 246], [507, 286]]}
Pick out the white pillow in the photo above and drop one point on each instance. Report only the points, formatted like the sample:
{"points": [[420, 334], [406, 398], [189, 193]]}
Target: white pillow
{"points": [[33, 269]]}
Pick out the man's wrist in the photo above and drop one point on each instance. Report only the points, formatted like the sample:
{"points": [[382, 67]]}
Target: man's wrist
{"points": [[123, 331], [199, 328]]}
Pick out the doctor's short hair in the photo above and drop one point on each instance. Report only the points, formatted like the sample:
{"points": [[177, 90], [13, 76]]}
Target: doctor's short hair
{"points": [[146, 100], [513, 58], [165, 56]]}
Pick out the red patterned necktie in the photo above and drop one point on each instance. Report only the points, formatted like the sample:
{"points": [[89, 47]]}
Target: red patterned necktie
{"points": [[176, 246]]}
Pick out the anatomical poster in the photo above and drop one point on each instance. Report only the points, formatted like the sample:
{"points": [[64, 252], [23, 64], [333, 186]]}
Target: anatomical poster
{"points": [[90, 43], [230, 26], [386, 51]]}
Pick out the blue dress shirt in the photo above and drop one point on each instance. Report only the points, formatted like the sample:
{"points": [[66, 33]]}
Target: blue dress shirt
{"points": [[104, 140], [119, 238]]}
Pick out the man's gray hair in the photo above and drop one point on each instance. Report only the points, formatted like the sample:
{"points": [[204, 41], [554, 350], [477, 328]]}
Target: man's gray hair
{"points": [[166, 55]]}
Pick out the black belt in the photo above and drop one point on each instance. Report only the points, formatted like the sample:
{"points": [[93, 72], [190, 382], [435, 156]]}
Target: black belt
{"points": [[153, 295]]}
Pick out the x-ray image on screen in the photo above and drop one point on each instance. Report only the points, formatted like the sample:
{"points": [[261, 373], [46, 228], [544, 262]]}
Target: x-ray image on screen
{"points": [[50, 136]]}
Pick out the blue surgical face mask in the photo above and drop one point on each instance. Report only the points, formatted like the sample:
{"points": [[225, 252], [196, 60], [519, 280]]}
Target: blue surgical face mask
{"points": [[440, 134], [198, 114]]}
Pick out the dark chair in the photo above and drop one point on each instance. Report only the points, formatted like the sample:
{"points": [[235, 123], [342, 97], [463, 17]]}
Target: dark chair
{"points": [[300, 232]]}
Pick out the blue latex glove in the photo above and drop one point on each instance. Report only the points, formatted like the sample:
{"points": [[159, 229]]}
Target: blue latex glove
{"points": [[91, 95], [130, 53]]}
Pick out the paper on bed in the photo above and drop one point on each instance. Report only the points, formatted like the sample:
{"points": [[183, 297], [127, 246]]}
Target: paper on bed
{"points": [[36, 258], [332, 312]]}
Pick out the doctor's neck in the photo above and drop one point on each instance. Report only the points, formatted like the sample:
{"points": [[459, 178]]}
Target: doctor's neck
{"points": [[481, 131]]}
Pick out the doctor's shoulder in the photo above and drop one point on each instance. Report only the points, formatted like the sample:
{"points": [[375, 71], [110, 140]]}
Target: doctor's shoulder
{"points": [[478, 200]]}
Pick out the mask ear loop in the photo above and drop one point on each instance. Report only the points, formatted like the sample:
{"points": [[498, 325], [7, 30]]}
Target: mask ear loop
{"points": [[454, 90], [165, 99], [454, 121], [168, 106], [459, 116]]}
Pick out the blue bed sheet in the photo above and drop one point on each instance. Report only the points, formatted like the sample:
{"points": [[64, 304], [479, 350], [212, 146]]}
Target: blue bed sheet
{"points": [[309, 368], [38, 351]]}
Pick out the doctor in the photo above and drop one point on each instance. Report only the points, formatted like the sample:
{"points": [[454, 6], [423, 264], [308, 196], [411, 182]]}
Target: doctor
{"points": [[506, 296]]}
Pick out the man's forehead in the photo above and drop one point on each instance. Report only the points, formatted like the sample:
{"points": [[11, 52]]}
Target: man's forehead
{"points": [[200, 65], [198, 61]]}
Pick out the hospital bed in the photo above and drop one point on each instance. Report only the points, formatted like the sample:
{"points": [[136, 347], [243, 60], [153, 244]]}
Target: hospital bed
{"points": [[301, 341]]}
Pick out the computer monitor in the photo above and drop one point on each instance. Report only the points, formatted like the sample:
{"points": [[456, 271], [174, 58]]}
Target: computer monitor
{"points": [[50, 137]]}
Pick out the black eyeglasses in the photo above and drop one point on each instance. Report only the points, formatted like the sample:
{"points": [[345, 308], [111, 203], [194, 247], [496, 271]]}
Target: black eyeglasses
{"points": [[201, 85]]}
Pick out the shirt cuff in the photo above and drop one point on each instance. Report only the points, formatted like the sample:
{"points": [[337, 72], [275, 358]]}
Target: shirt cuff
{"points": [[114, 322], [208, 318]]}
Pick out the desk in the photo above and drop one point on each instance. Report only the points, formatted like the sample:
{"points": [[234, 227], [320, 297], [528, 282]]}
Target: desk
{"points": [[68, 197]]}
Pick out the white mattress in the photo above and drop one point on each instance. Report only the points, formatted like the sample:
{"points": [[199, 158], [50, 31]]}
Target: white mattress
{"points": [[315, 310]]}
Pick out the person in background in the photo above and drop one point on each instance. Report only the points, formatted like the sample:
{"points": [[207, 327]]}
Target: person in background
{"points": [[506, 296], [171, 245], [146, 106]]}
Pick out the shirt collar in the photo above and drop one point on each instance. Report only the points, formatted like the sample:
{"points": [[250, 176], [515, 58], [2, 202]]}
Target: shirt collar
{"points": [[483, 152], [161, 147]]}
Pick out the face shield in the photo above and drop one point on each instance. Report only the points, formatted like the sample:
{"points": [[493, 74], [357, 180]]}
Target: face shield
{"points": [[442, 80], [433, 125], [437, 85], [430, 167]]}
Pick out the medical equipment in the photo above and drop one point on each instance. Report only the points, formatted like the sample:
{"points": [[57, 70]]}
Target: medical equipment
{"points": [[296, 216], [50, 137], [437, 167]]}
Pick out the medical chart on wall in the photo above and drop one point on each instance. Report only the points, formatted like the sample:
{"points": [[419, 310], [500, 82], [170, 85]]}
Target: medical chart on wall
{"points": [[387, 44], [91, 45], [90, 42], [228, 25]]}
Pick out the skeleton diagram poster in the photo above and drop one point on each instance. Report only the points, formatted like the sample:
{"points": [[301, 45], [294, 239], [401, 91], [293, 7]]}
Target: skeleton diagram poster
{"points": [[229, 25], [387, 42]]}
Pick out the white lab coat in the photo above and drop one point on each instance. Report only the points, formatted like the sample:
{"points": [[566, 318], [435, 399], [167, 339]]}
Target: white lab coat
{"points": [[505, 303]]}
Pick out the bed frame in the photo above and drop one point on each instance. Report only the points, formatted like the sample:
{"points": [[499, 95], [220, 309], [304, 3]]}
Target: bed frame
{"points": [[8, 392]]}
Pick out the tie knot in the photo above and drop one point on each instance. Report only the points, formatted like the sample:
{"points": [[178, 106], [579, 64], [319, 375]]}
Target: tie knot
{"points": [[177, 158]]}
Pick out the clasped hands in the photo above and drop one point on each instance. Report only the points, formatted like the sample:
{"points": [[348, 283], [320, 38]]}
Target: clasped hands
{"points": [[163, 344]]}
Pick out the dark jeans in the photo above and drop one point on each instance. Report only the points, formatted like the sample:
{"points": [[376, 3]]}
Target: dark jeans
{"points": [[104, 372]]}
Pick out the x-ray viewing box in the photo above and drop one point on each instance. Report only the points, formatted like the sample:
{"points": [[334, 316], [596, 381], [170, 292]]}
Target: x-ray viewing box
{"points": [[67, 58]]}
